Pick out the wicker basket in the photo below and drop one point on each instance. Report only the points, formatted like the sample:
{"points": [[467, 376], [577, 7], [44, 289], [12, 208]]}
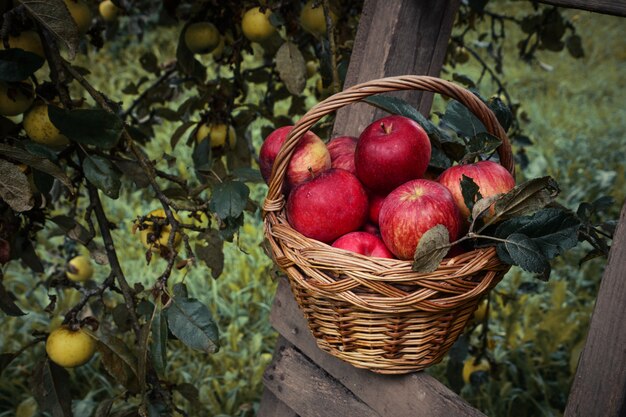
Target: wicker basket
{"points": [[377, 313]]}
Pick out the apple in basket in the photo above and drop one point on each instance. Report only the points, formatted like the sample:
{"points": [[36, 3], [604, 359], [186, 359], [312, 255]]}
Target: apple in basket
{"points": [[491, 178], [375, 203], [390, 152], [411, 210], [363, 243], [309, 159], [341, 151], [328, 206]]}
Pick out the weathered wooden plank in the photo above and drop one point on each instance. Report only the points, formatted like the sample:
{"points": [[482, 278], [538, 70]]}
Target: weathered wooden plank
{"points": [[614, 7], [414, 395], [396, 38], [599, 388], [308, 390], [273, 407]]}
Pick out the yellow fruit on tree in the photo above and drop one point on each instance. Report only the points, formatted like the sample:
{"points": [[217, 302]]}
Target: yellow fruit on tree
{"points": [[202, 37], [40, 129], [153, 236], [470, 366], [313, 19], [81, 13], [256, 25], [79, 269], [311, 68], [481, 311], [218, 134], [27, 40], [27, 408], [16, 98], [108, 10], [69, 348]]}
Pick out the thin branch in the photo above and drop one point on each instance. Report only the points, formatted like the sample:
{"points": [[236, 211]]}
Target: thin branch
{"points": [[171, 70], [330, 32]]}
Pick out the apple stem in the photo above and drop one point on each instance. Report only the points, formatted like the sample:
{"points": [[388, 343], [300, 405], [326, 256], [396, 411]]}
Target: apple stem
{"points": [[311, 172], [386, 128]]}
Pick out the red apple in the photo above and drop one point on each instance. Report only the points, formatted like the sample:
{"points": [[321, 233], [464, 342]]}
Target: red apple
{"points": [[491, 178], [309, 158], [328, 206], [341, 151], [412, 209], [390, 152], [363, 243], [375, 203]]}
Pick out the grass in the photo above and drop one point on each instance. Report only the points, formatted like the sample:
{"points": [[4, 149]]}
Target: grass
{"points": [[577, 119]]}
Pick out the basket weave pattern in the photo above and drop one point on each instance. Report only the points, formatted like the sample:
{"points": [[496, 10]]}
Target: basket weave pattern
{"points": [[377, 313]]}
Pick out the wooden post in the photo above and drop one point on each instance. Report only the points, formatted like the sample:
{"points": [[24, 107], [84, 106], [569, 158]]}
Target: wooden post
{"points": [[599, 388]]}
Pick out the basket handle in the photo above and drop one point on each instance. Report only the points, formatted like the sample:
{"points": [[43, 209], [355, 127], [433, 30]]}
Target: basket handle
{"points": [[275, 201]]}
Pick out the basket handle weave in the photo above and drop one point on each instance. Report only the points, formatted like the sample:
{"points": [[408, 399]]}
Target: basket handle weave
{"points": [[274, 201]]}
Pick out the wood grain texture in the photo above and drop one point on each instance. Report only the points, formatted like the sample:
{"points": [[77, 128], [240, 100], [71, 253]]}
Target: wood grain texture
{"points": [[414, 395], [273, 407], [599, 387], [308, 390], [614, 7], [396, 38]]}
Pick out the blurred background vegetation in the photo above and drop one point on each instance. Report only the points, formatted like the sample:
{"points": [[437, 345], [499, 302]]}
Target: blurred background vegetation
{"points": [[534, 331]]}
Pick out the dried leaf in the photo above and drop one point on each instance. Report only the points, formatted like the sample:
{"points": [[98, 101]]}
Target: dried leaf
{"points": [[525, 198], [118, 360], [14, 188], [51, 388], [431, 249], [54, 16], [38, 162], [291, 67]]}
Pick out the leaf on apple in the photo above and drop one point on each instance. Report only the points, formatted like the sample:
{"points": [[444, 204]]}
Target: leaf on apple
{"points": [[470, 192], [431, 249], [525, 198]]}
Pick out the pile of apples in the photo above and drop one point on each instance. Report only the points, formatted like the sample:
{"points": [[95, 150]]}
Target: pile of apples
{"points": [[372, 194]]}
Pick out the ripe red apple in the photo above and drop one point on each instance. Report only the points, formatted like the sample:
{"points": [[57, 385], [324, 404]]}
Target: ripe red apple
{"points": [[375, 203], [328, 206], [341, 151], [363, 243], [309, 158], [390, 152], [491, 178], [412, 209]]}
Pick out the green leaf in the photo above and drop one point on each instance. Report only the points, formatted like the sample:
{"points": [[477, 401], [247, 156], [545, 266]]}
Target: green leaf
{"points": [[95, 127], [56, 18], [395, 105], [469, 190], [158, 345], [102, 173], [210, 249], [14, 187], [291, 67], [574, 46], [18, 65], [525, 253], [192, 323], [552, 230], [118, 360], [502, 111], [483, 143], [6, 358], [7, 303], [51, 388], [229, 199], [431, 249], [461, 120]]}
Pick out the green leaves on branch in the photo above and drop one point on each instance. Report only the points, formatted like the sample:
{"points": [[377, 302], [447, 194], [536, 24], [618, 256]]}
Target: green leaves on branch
{"points": [[229, 199], [192, 323], [531, 241]]}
